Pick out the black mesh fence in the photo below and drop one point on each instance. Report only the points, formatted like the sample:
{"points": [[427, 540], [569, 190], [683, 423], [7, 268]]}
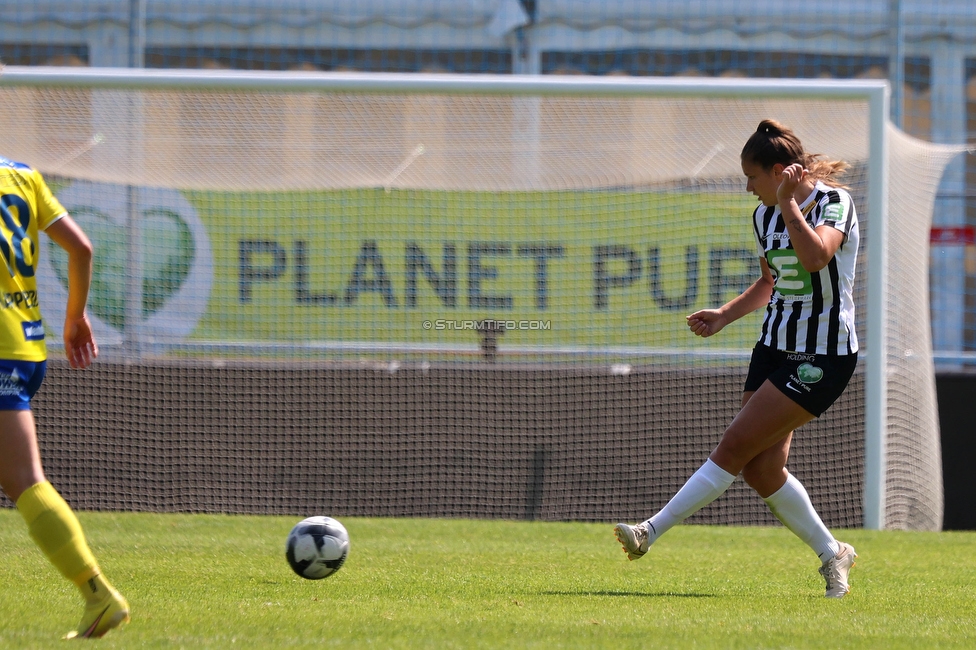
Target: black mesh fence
{"points": [[475, 440]]}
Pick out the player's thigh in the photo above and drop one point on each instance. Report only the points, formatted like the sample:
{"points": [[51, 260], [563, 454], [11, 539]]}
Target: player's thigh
{"points": [[746, 396], [765, 419], [768, 464]]}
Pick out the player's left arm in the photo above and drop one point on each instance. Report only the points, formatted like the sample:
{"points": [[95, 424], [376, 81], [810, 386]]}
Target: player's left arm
{"points": [[707, 322], [79, 342]]}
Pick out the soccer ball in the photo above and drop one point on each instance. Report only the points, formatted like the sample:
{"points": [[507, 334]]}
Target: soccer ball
{"points": [[317, 547]]}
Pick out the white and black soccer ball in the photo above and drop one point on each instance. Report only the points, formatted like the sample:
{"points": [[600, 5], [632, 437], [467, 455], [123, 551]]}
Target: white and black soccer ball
{"points": [[317, 547]]}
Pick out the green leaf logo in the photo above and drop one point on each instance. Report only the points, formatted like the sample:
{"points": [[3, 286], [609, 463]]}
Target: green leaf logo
{"points": [[161, 294], [809, 374], [167, 254]]}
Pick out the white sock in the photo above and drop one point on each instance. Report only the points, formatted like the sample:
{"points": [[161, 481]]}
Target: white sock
{"points": [[791, 505], [704, 486]]}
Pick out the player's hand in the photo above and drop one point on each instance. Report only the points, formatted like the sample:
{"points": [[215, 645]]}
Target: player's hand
{"points": [[706, 322], [79, 343], [792, 176]]}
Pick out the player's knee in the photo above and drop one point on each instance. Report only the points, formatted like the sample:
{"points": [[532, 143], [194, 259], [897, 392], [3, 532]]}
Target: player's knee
{"points": [[764, 480], [727, 460], [15, 485], [733, 452], [752, 476]]}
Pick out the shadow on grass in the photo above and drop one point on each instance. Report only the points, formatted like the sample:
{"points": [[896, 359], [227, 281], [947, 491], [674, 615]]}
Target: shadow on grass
{"points": [[627, 594]]}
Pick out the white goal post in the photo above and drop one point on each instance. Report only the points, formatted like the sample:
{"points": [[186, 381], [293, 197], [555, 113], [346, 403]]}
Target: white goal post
{"points": [[896, 346]]}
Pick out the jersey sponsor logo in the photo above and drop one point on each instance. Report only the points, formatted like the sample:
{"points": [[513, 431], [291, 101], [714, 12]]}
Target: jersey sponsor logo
{"points": [[20, 300], [13, 180], [33, 330], [791, 278]]}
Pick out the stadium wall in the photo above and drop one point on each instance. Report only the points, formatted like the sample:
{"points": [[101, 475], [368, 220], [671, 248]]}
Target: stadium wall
{"points": [[475, 440]]}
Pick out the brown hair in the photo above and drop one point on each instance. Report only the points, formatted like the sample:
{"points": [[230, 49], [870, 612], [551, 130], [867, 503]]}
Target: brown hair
{"points": [[773, 143]]}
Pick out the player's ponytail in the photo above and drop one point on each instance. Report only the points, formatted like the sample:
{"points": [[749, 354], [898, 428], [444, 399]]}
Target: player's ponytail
{"points": [[825, 170], [773, 143]]}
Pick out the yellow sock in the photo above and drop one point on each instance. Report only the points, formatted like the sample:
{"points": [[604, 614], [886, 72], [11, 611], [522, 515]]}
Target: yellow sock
{"points": [[55, 529], [96, 588]]}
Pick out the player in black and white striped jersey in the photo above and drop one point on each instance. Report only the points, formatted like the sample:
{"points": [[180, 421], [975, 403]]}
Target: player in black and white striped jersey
{"points": [[807, 235], [810, 312]]}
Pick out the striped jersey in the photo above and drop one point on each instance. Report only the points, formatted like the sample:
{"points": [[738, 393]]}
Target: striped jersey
{"points": [[26, 208], [810, 312]]}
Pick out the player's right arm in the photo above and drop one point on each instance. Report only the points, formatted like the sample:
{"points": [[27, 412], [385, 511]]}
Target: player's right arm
{"points": [[814, 247], [79, 343], [707, 322]]}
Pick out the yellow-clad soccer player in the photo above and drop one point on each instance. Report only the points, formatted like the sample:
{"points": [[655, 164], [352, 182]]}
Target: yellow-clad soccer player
{"points": [[27, 207]]}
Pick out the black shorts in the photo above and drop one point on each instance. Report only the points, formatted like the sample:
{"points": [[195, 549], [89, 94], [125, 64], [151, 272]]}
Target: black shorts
{"points": [[814, 381]]}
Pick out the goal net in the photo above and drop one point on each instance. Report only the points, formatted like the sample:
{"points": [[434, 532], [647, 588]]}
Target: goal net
{"points": [[436, 295]]}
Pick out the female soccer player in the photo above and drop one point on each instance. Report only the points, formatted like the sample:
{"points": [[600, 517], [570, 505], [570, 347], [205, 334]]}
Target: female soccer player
{"points": [[26, 208], [807, 234]]}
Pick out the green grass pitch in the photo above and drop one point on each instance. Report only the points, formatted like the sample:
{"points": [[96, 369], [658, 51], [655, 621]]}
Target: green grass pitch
{"points": [[203, 581]]}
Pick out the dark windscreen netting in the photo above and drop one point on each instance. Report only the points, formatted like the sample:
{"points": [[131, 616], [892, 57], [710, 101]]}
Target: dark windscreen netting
{"points": [[467, 440]]}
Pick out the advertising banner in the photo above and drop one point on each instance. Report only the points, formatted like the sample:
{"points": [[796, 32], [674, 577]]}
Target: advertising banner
{"points": [[553, 269]]}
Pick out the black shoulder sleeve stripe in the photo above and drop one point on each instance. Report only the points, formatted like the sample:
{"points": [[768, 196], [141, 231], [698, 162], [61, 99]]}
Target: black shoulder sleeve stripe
{"points": [[833, 196]]}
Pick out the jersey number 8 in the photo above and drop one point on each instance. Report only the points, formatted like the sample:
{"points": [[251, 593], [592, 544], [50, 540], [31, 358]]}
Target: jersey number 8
{"points": [[17, 248]]}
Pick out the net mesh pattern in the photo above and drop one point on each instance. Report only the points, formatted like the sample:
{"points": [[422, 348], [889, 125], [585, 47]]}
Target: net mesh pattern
{"points": [[273, 354], [482, 441], [308, 141]]}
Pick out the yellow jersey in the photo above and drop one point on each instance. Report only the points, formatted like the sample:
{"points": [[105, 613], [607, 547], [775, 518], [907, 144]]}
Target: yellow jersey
{"points": [[27, 207]]}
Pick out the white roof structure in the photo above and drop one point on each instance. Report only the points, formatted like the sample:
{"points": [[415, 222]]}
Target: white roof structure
{"points": [[923, 19], [477, 23]]}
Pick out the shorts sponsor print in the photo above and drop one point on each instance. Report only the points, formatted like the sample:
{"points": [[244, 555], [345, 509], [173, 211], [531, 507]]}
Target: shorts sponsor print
{"points": [[19, 380], [814, 381]]}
